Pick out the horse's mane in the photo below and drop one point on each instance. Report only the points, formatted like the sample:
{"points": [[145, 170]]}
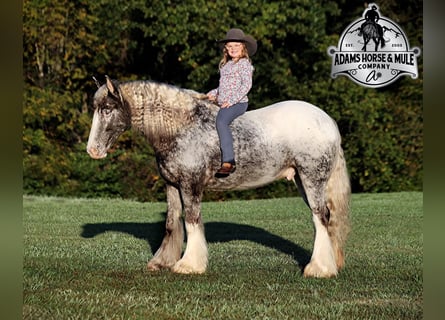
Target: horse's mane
{"points": [[160, 110]]}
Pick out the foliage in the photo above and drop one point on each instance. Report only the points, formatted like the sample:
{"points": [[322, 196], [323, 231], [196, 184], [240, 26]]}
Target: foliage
{"points": [[66, 43], [382, 135], [51, 122]]}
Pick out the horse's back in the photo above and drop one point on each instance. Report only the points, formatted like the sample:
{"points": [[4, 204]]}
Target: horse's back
{"points": [[272, 141], [294, 118]]}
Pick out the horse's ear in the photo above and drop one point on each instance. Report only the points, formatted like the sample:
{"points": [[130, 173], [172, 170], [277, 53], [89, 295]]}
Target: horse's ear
{"points": [[97, 82], [111, 87]]}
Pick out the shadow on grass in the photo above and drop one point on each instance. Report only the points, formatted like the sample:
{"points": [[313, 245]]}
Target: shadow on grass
{"points": [[215, 232]]}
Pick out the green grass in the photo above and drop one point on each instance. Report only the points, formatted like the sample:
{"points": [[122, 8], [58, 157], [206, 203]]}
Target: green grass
{"points": [[85, 259]]}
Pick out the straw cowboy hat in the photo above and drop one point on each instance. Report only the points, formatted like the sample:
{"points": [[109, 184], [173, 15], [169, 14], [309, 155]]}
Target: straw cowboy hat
{"points": [[237, 35]]}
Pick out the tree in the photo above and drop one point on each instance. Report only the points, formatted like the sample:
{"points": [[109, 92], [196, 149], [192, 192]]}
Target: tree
{"points": [[66, 43]]}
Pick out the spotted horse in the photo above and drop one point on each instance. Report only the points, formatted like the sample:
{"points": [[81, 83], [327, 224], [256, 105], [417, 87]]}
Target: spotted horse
{"points": [[289, 139]]}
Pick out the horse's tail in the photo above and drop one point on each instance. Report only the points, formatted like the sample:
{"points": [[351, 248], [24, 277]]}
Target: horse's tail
{"points": [[338, 197]]}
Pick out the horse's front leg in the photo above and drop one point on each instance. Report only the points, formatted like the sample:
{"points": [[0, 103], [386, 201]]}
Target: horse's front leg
{"points": [[170, 250], [195, 255]]}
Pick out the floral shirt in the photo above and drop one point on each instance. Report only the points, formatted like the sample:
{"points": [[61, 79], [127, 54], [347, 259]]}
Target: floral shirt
{"points": [[234, 83]]}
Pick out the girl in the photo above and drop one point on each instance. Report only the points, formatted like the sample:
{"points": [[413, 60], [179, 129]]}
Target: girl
{"points": [[231, 95]]}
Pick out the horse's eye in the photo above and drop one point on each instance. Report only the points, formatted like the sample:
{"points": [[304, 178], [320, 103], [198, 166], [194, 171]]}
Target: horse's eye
{"points": [[106, 111]]}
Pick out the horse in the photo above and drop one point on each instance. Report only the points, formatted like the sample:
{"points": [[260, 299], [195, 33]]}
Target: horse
{"points": [[372, 30], [290, 139]]}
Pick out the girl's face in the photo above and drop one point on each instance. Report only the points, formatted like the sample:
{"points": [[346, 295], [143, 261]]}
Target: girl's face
{"points": [[235, 49]]}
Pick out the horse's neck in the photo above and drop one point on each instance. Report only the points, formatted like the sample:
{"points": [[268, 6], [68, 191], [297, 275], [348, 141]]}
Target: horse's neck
{"points": [[157, 110], [133, 94]]}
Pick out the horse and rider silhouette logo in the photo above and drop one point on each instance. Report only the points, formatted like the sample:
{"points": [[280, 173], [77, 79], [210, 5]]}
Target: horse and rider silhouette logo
{"points": [[370, 29], [373, 51]]}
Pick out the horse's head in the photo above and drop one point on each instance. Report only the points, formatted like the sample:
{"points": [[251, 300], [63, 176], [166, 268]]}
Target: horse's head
{"points": [[112, 116]]}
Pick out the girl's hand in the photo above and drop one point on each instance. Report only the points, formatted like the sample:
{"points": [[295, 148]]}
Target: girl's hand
{"points": [[211, 97], [225, 105]]}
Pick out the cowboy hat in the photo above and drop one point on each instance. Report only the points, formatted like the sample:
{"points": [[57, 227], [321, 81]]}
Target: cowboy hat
{"points": [[237, 35]]}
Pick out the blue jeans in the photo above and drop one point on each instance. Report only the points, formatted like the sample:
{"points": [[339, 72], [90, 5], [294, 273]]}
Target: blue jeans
{"points": [[223, 120]]}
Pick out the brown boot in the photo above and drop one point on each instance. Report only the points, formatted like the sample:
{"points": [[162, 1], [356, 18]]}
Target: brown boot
{"points": [[226, 169]]}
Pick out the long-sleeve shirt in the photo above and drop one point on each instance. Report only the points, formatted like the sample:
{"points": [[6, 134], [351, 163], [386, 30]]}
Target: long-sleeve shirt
{"points": [[234, 83]]}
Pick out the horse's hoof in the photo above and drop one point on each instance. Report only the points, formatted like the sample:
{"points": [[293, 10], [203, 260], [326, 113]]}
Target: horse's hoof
{"points": [[156, 265], [183, 268], [313, 270], [153, 267]]}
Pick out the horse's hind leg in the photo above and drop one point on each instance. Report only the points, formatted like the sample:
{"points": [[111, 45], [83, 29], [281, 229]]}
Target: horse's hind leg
{"points": [[323, 262], [195, 255], [376, 41], [170, 250], [365, 43]]}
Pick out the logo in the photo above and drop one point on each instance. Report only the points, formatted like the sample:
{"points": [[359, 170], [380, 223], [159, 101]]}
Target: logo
{"points": [[373, 51]]}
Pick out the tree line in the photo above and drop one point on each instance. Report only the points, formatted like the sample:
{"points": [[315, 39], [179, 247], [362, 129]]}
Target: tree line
{"points": [[66, 43]]}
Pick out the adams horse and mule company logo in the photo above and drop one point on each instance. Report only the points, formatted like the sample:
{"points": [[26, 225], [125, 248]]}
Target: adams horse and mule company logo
{"points": [[375, 63]]}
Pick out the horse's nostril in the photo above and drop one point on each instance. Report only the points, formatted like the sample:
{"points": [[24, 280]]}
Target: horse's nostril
{"points": [[93, 152]]}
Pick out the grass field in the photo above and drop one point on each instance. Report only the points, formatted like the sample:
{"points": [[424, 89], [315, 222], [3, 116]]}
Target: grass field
{"points": [[85, 259]]}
